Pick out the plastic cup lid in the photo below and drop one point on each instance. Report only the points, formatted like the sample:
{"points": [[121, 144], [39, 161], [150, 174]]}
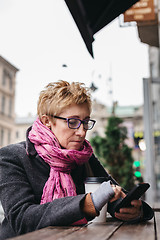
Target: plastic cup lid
{"points": [[96, 179]]}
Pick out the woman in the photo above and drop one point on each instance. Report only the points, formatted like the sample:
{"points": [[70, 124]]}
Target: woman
{"points": [[42, 179]]}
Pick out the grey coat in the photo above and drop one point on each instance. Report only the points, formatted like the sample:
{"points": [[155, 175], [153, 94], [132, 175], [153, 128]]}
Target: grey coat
{"points": [[22, 178]]}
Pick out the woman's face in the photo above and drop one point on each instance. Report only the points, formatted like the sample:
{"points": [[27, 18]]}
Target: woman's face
{"points": [[71, 138]]}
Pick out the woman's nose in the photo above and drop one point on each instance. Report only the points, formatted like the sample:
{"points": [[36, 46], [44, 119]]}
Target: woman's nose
{"points": [[81, 131]]}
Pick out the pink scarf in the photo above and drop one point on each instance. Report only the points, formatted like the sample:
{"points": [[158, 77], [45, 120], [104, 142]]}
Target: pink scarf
{"points": [[62, 161]]}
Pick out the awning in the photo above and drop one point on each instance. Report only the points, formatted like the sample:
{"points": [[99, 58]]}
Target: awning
{"points": [[92, 15], [148, 32]]}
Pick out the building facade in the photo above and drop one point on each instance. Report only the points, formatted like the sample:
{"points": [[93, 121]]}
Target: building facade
{"points": [[154, 61], [21, 126], [7, 101]]}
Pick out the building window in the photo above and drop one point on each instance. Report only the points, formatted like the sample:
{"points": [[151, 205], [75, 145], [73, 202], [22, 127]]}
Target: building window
{"points": [[2, 137], [17, 134], [10, 83], [9, 136], [7, 79], [3, 105], [10, 108], [4, 78]]}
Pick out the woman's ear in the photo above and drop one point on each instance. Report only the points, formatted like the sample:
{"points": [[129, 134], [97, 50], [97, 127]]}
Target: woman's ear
{"points": [[46, 121]]}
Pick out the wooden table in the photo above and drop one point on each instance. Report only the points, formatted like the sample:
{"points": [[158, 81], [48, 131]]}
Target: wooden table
{"points": [[111, 230]]}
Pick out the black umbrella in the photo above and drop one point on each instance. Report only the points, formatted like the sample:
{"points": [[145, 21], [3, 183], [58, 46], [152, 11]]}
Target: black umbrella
{"points": [[92, 15]]}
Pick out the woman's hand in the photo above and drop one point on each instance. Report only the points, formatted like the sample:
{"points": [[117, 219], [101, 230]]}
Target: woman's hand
{"points": [[117, 193], [126, 214]]}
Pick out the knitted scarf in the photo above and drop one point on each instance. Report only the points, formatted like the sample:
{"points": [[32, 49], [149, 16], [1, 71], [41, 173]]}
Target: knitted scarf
{"points": [[62, 161]]}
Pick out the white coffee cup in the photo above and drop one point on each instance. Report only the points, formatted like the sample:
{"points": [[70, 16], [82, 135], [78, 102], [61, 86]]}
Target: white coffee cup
{"points": [[91, 184]]}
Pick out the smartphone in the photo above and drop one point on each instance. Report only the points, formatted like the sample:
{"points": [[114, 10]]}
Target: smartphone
{"points": [[134, 194]]}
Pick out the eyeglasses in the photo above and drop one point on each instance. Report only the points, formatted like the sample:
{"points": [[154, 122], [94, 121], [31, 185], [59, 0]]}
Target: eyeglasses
{"points": [[74, 123]]}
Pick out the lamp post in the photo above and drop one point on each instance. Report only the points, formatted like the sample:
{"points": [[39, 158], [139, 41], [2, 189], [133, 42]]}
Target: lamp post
{"points": [[64, 65], [149, 140], [93, 87]]}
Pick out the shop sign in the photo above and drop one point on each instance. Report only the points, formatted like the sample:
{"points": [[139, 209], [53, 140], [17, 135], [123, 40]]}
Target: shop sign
{"points": [[141, 11]]}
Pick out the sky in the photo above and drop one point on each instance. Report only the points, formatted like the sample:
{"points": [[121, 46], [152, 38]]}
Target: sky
{"points": [[39, 36]]}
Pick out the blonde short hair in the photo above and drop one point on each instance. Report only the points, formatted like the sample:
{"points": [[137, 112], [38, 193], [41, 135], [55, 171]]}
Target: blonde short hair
{"points": [[58, 95]]}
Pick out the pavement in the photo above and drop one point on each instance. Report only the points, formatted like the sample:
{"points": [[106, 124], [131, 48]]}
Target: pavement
{"points": [[1, 213]]}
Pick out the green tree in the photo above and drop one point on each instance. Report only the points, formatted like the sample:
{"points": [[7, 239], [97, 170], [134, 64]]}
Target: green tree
{"points": [[114, 153]]}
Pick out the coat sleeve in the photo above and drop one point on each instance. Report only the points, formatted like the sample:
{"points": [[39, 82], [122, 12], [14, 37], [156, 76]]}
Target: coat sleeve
{"points": [[98, 170], [23, 212]]}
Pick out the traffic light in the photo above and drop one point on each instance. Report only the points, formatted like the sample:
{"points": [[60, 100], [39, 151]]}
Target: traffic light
{"points": [[137, 172], [138, 136]]}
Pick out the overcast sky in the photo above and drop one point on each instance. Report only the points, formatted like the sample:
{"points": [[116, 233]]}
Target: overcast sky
{"points": [[39, 36]]}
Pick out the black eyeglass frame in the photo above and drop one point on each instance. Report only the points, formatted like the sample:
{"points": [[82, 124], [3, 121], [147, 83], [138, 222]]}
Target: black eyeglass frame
{"points": [[80, 122]]}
